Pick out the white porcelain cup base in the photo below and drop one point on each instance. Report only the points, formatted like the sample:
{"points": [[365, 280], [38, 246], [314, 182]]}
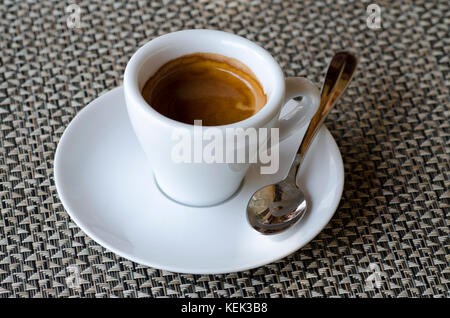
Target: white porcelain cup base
{"points": [[226, 198], [106, 185]]}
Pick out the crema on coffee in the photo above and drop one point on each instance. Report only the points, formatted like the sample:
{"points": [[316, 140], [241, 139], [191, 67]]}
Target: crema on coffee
{"points": [[203, 86]]}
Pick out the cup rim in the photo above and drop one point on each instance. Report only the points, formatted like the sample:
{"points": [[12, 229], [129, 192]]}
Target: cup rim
{"points": [[264, 115]]}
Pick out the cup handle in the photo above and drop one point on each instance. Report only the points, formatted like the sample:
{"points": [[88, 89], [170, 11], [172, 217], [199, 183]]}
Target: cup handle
{"points": [[302, 114]]}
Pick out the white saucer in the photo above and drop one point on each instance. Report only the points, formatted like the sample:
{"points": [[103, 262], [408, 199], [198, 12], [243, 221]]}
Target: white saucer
{"points": [[106, 185]]}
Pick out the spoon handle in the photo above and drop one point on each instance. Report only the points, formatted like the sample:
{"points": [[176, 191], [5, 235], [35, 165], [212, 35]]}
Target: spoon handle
{"points": [[339, 74]]}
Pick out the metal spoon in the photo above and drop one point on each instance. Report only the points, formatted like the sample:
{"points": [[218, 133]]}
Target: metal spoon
{"points": [[274, 208]]}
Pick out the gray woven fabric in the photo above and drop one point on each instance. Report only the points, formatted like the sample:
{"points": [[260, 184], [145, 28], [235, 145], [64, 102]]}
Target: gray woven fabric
{"points": [[392, 127]]}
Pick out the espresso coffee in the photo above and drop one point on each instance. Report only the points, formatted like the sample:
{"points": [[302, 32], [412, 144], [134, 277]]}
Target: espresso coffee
{"points": [[203, 86]]}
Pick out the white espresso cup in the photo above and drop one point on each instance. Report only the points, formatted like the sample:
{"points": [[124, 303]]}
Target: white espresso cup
{"points": [[203, 184]]}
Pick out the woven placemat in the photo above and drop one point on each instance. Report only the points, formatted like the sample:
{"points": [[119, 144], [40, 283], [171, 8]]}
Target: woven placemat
{"points": [[390, 234]]}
